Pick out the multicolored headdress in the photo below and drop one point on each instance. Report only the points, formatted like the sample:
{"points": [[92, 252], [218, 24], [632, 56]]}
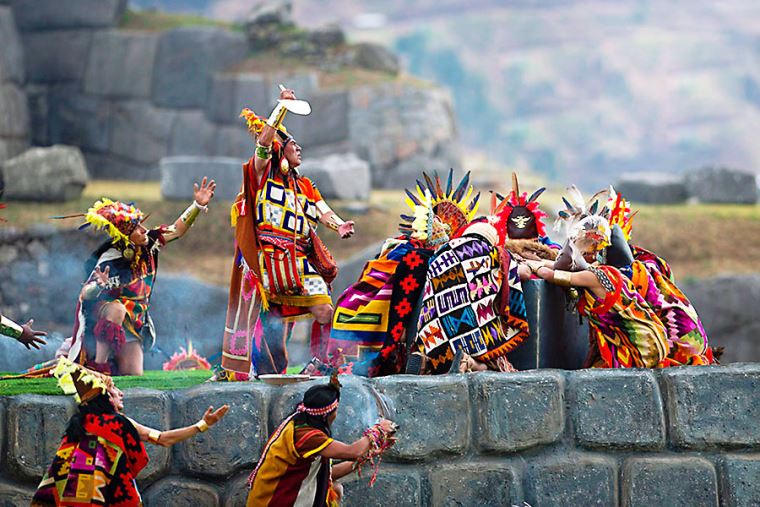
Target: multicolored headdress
{"points": [[322, 399], [425, 225], [519, 216], [577, 207], [186, 360], [117, 219], [618, 212], [79, 381], [256, 123], [454, 207]]}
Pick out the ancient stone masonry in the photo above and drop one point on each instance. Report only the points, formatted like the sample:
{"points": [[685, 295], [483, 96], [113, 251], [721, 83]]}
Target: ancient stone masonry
{"points": [[678, 437], [128, 98]]}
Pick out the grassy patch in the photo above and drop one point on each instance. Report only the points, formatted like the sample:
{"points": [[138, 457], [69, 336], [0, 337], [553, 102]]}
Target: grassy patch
{"points": [[161, 380], [157, 21]]}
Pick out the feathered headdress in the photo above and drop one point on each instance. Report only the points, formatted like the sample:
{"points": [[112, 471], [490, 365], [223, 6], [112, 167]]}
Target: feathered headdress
{"points": [[619, 213], [186, 360], [256, 123], [116, 218], [577, 207], [424, 225], [518, 216], [454, 207], [79, 381]]}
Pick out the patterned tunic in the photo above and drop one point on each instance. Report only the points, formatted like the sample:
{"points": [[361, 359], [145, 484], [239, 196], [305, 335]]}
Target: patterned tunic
{"points": [[98, 470], [467, 304], [290, 471], [624, 331]]}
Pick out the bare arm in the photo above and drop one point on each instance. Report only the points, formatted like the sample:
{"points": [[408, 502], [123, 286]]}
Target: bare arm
{"points": [[585, 279], [342, 469], [339, 450], [331, 219], [170, 437]]}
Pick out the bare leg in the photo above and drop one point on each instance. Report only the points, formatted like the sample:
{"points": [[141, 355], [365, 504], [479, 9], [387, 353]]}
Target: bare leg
{"points": [[322, 313], [130, 359], [320, 331], [113, 312]]}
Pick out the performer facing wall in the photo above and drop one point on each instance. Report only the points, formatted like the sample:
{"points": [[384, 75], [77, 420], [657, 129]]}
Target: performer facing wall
{"points": [[113, 324], [281, 267]]}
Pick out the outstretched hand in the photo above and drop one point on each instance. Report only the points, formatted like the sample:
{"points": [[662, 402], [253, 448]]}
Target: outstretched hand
{"points": [[101, 277], [214, 416], [31, 338], [205, 192], [346, 229]]}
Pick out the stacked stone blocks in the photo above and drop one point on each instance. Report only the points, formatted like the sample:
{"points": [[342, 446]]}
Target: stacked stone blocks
{"points": [[684, 436]]}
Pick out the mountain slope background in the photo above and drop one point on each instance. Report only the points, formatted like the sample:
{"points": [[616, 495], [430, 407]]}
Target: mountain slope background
{"points": [[574, 90]]}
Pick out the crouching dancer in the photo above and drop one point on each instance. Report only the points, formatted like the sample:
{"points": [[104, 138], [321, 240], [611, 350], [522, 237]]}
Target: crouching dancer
{"points": [[102, 450], [295, 468]]}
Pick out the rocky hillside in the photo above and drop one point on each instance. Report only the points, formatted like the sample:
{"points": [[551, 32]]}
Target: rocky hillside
{"points": [[577, 89], [132, 88]]}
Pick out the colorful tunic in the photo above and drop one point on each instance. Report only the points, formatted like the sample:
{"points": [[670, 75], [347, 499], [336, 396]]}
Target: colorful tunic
{"points": [[624, 331], [652, 261], [131, 283], [686, 335], [473, 301], [372, 316], [98, 470], [290, 471], [278, 222]]}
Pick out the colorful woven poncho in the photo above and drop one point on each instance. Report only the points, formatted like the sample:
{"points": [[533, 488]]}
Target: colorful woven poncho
{"points": [[98, 470], [624, 331], [467, 306]]}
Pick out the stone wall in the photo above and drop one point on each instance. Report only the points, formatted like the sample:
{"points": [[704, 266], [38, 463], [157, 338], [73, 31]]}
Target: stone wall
{"points": [[129, 98], [678, 437]]}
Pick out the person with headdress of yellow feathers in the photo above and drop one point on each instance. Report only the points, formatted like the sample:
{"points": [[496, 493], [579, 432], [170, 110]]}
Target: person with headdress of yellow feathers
{"points": [[102, 451], [22, 333], [473, 310], [281, 270], [376, 317], [295, 467], [113, 323]]}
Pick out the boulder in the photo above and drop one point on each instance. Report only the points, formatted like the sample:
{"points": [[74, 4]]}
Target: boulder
{"points": [[179, 173], [327, 37], [341, 176], [372, 57], [186, 61], [268, 24], [722, 185], [11, 52], [56, 56], [652, 188], [121, 64], [57, 14], [52, 174]]}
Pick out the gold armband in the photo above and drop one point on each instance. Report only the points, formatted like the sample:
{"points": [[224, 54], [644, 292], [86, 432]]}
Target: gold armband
{"points": [[263, 152], [563, 278], [201, 425], [10, 328], [278, 114], [191, 213], [154, 436]]}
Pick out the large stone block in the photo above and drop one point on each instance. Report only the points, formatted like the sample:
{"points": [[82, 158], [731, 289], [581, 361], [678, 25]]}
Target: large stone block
{"points": [[150, 408], [433, 414], [653, 188], [39, 110], [13, 494], [230, 93], [675, 482], [140, 132], [482, 484], [108, 166], [618, 408], [234, 142], [56, 56], [11, 51], [10, 148], [722, 185], [121, 64], [397, 486], [57, 14], [573, 480], [192, 134], [179, 173], [713, 406], [358, 406], [740, 486], [181, 492], [517, 411], [50, 174], [187, 59], [14, 112], [35, 427], [327, 123], [235, 442], [77, 119], [339, 176], [236, 491]]}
